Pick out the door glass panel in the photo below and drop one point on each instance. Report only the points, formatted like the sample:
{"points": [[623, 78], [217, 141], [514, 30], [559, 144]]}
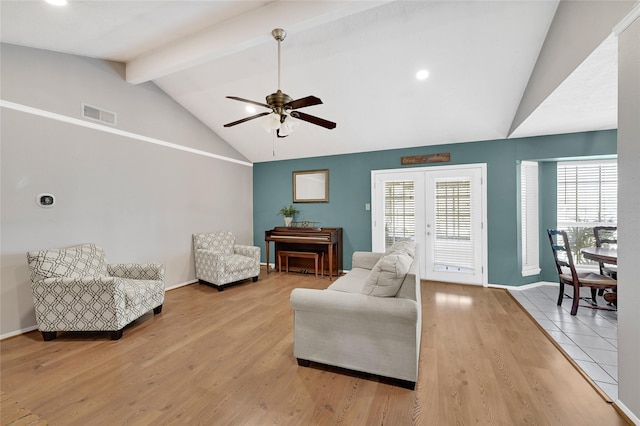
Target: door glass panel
{"points": [[399, 211], [454, 247]]}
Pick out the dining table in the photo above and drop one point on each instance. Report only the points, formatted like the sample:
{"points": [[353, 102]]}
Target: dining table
{"points": [[602, 255]]}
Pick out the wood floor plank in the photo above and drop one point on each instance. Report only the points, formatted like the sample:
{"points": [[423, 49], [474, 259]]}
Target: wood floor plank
{"points": [[227, 358]]}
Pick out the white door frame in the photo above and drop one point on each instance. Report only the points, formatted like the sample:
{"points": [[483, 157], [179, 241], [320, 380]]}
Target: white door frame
{"points": [[414, 173]]}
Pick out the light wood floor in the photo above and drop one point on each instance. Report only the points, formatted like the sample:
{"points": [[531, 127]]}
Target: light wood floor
{"points": [[226, 358]]}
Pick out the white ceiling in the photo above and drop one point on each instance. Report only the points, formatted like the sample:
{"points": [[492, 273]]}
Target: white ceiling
{"points": [[359, 57]]}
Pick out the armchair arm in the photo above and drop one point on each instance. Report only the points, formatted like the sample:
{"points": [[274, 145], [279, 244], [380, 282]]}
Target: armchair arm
{"points": [[365, 259], [83, 285], [353, 305], [249, 251], [137, 271], [79, 303]]}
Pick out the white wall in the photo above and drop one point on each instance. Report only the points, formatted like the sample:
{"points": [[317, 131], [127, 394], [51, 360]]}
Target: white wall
{"points": [[140, 201], [629, 217]]}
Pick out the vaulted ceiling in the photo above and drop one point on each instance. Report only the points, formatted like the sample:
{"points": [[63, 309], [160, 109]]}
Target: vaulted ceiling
{"points": [[497, 69]]}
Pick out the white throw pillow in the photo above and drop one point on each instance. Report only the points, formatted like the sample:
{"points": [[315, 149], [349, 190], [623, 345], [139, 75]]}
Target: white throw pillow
{"points": [[407, 247], [387, 275]]}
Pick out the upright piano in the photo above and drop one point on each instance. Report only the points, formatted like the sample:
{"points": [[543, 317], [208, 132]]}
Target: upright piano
{"points": [[327, 240]]}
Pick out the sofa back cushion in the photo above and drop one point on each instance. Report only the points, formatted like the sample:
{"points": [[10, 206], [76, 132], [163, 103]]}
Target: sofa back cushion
{"points": [[407, 247], [219, 242], [86, 260], [387, 275]]}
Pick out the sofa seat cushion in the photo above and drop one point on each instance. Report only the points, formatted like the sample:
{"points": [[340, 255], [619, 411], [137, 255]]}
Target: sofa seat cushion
{"points": [[387, 275], [353, 282]]}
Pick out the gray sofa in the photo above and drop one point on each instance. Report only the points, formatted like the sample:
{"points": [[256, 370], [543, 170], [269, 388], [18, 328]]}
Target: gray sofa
{"points": [[359, 322]]}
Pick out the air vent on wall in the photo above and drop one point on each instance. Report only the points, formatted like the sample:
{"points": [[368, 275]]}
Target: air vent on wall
{"points": [[103, 116]]}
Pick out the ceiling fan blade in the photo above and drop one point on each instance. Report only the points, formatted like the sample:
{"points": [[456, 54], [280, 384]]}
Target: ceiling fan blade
{"points": [[249, 101], [303, 102], [314, 120], [247, 119]]}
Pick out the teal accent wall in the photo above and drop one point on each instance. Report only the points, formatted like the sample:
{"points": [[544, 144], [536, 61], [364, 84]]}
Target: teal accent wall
{"points": [[350, 190]]}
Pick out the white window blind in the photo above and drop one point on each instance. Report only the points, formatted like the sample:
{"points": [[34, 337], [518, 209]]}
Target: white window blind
{"points": [[529, 218], [587, 197], [587, 193], [453, 247], [399, 211]]}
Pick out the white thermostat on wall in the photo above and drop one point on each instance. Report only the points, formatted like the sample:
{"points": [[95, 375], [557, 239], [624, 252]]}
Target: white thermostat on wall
{"points": [[45, 200]]}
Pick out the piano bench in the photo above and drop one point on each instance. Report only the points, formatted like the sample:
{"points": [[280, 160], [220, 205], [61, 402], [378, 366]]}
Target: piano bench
{"points": [[302, 254]]}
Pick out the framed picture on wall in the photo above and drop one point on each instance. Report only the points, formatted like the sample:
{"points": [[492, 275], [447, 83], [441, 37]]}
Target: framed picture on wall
{"points": [[311, 186]]}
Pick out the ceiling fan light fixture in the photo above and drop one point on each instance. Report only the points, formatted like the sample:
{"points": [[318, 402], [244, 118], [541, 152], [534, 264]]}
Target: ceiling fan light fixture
{"points": [[272, 122], [291, 124]]}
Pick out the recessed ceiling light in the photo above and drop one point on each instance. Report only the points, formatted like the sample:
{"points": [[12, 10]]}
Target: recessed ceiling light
{"points": [[57, 2], [250, 109], [422, 74]]}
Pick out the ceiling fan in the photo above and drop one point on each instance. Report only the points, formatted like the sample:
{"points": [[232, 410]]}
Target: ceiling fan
{"points": [[282, 106]]}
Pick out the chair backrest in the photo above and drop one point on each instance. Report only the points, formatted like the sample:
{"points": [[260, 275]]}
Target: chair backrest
{"points": [[218, 242], [561, 249], [86, 260], [605, 235]]}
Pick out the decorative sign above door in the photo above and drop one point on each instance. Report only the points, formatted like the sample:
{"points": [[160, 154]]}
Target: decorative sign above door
{"points": [[431, 158]]}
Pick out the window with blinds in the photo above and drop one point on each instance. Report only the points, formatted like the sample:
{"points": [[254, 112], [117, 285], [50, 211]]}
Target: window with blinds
{"points": [[529, 218], [587, 197], [454, 247], [399, 211]]}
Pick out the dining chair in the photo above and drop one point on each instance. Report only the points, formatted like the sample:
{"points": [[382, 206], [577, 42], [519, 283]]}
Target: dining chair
{"points": [[568, 275], [607, 236]]}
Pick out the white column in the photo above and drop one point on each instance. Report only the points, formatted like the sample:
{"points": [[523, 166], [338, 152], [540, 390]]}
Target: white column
{"points": [[628, 32]]}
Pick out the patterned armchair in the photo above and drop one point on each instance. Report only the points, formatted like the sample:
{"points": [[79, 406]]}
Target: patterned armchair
{"points": [[220, 261], [74, 289]]}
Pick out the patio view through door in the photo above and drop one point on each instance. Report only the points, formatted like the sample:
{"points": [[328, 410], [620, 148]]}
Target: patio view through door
{"points": [[443, 209]]}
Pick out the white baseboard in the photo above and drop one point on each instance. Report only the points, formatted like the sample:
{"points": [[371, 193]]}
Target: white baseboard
{"points": [[627, 412], [18, 332], [523, 287], [173, 287]]}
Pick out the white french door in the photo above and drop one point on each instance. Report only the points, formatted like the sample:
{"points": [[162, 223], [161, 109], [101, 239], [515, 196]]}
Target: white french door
{"points": [[443, 209]]}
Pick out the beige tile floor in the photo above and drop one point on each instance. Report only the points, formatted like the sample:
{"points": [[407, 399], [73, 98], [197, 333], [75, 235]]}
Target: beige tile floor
{"points": [[590, 337]]}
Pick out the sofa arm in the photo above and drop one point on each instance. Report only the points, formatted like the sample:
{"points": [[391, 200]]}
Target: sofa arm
{"points": [[249, 251], [365, 259], [353, 305], [137, 271]]}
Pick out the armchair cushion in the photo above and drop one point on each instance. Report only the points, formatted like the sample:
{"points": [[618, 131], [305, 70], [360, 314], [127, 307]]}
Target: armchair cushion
{"points": [[86, 260], [217, 242]]}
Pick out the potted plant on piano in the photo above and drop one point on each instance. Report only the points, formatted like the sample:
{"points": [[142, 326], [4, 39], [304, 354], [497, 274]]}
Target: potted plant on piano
{"points": [[288, 213]]}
